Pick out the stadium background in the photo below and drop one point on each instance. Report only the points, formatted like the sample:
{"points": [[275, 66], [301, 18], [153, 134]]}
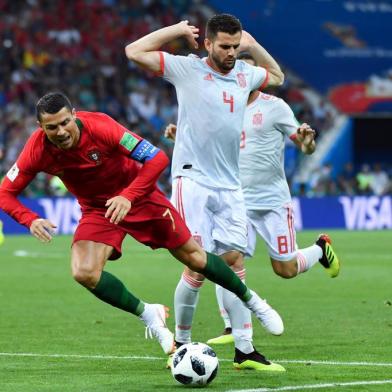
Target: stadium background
{"points": [[337, 58], [338, 79]]}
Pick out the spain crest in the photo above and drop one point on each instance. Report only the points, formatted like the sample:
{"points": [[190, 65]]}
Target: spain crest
{"points": [[257, 119], [241, 80]]}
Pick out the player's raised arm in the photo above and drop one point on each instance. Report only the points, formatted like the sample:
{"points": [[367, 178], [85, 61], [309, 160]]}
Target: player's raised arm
{"points": [[144, 51], [262, 58], [13, 184], [304, 139]]}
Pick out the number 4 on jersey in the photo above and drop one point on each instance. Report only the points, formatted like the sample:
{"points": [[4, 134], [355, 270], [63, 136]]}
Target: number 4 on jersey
{"points": [[229, 100]]}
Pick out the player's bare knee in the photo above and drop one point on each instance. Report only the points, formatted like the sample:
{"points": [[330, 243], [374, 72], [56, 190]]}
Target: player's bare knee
{"points": [[85, 276], [191, 254], [234, 259], [285, 269], [197, 260]]}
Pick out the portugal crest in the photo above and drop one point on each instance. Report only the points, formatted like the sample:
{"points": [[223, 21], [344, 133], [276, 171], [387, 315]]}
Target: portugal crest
{"points": [[95, 156]]}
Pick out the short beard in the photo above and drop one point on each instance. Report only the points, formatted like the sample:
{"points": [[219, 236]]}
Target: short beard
{"points": [[221, 65]]}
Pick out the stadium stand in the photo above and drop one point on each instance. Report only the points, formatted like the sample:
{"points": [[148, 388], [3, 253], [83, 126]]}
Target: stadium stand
{"points": [[82, 53]]}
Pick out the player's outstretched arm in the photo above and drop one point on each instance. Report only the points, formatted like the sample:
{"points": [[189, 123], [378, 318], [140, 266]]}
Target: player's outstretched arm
{"points": [[43, 229], [262, 58], [305, 139], [144, 51]]}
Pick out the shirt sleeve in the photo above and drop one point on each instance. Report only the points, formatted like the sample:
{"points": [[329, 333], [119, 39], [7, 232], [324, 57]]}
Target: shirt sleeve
{"points": [[17, 179], [258, 77], [135, 147], [175, 68], [147, 177], [121, 139], [285, 119]]}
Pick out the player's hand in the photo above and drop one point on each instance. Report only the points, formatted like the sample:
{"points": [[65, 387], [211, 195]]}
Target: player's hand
{"points": [[43, 229], [170, 132], [246, 41], [305, 134], [190, 33], [119, 207]]}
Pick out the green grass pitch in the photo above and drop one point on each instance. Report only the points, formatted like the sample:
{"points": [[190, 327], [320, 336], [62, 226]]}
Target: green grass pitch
{"points": [[55, 336]]}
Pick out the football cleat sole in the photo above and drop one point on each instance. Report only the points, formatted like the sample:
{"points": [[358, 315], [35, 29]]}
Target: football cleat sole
{"points": [[261, 367], [221, 340]]}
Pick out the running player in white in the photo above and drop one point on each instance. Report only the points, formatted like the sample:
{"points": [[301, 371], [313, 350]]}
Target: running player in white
{"points": [[212, 95], [268, 120]]}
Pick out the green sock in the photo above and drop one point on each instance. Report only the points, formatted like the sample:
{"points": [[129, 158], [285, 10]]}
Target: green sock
{"points": [[219, 272], [112, 291]]}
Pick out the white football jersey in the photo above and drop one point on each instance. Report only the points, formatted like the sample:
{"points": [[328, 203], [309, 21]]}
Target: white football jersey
{"points": [[211, 110], [267, 121]]}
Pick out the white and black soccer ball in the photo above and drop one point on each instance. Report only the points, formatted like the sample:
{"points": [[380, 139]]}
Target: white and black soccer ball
{"points": [[194, 364]]}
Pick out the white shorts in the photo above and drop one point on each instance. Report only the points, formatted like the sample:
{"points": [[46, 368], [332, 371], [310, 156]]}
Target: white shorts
{"points": [[215, 217], [276, 227]]}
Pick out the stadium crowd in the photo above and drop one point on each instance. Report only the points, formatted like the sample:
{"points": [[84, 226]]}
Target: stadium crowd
{"points": [[82, 54]]}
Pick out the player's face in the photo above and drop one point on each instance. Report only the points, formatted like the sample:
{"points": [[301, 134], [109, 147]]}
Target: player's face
{"points": [[223, 50], [61, 128]]}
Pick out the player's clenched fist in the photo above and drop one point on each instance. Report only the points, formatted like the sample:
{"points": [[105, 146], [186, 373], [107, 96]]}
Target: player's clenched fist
{"points": [[305, 135], [43, 229], [170, 131], [189, 32], [119, 207]]}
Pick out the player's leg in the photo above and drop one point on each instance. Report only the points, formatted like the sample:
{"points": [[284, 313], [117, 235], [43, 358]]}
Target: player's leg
{"points": [[239, 315], [227, 336], [186, 298], [88, 261], [191, 201], [89, 256], [215, 269], [278, 230], [230, 232]]}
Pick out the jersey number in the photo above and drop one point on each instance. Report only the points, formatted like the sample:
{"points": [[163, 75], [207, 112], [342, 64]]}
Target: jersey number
{"points": [[168, 213], [229, 100], [283, 245]]}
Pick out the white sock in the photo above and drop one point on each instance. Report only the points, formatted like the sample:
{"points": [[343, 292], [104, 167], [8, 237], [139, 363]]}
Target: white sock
{"points": [[186, 298], [241, 319], [219, 297], [308, 257]]}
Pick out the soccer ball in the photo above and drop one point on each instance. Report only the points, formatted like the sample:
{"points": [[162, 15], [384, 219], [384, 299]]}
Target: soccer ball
{"points": [[194, 364]]}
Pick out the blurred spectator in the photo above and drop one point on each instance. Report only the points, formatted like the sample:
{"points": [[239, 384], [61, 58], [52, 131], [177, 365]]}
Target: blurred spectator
{"points": [[379, 183], [347, 182], [364, 179], [82, 54], [321, 181]]}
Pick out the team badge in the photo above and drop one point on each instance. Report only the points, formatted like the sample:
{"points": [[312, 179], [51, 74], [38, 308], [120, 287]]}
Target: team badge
{"points": [[95, 156], [257, 119], [13, 172], [241, 80]]}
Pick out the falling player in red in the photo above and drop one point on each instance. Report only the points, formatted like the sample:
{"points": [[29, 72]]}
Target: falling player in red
{"points": [[113, 174]]}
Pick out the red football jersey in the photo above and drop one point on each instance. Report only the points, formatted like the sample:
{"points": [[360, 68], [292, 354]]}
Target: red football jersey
{"points": [[98, 168]]}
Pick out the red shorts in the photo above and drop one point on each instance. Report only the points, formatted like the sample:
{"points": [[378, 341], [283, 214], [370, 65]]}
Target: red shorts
{"points": [[152, 221]]}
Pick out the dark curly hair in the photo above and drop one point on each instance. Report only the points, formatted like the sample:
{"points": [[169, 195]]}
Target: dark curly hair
{"points": [[52, 103], [224, 23]]}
